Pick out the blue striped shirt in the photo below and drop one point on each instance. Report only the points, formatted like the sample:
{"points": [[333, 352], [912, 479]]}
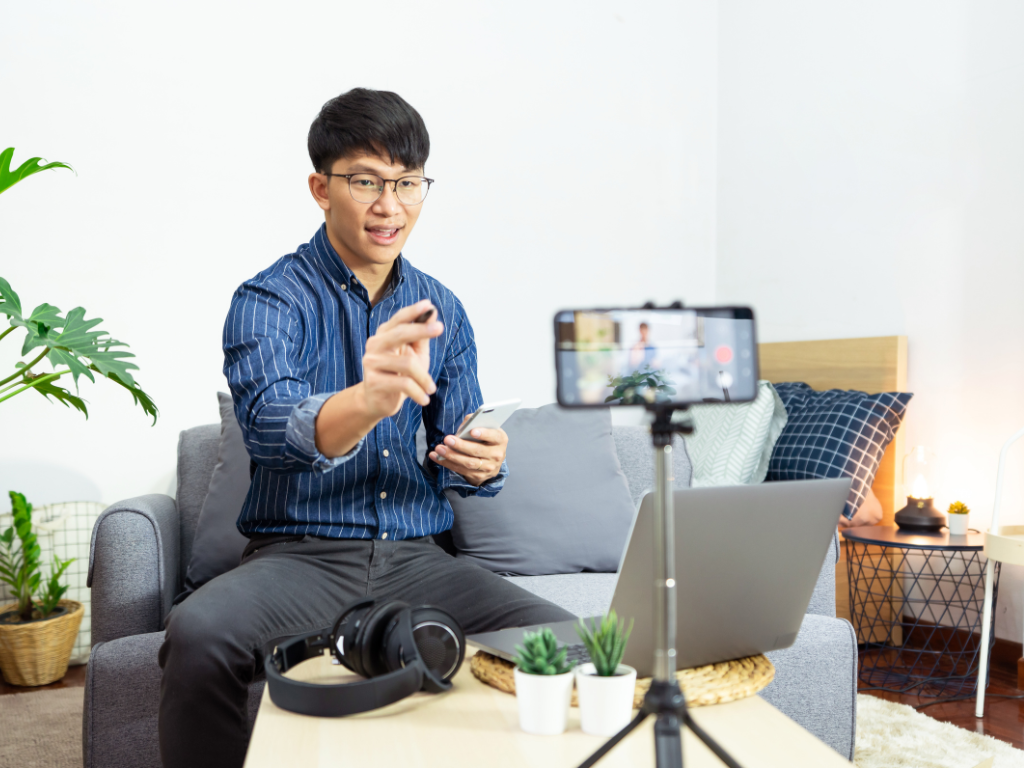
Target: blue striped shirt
{"points": [[294, 336]]}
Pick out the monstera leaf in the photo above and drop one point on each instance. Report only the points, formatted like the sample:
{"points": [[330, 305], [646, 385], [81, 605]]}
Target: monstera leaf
{"points": [[74, 345], [71, 344], [9, 178]]}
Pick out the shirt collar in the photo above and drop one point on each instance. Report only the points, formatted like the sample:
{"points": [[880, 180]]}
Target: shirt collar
{"points": [[330, 262]]}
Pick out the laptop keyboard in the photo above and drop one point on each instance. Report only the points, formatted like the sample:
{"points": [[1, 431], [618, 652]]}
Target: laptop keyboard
{"points": [[577, 653]]}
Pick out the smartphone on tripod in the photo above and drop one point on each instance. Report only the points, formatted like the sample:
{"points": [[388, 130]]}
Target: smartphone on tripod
{"points": [[655, 356]]}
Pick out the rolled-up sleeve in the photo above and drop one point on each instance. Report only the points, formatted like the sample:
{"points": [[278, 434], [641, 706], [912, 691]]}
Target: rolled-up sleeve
{"points": [[275, 406], [458, 394]]}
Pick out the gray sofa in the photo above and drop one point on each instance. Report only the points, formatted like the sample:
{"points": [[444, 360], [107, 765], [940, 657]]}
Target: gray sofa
{"points": [[141, 549]]}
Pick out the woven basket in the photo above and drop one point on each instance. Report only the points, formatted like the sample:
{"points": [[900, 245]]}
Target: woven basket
{"points": [[37, 653], [703, 686]]}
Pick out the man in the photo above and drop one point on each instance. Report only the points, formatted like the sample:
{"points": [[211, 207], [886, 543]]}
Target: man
{"points": [[643, 352], [331, 375]]}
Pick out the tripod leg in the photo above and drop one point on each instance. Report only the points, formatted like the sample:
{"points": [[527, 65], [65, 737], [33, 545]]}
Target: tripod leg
{"points": [[668, 741], [607, 746]]}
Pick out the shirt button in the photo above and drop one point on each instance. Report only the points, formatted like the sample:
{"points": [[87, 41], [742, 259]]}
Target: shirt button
{"points": [[384, 535], [386, 454], [383, 494], [344, 287]]}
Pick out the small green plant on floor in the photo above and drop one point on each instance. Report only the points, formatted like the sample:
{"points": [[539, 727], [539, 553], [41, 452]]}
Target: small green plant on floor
{"points": [[958, 508], [70, 343], [20, 567], [540, 654], [605, 641]]}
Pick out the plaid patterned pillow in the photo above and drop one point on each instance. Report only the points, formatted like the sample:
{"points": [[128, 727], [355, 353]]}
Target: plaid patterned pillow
{"points": [[838, 433]]}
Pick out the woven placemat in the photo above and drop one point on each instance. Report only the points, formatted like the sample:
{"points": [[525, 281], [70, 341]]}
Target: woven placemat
{"points": [[713, 684]]}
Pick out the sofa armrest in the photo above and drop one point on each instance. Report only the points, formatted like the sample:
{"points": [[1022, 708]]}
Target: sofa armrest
{"points": [[133, 567], [823, 600]]}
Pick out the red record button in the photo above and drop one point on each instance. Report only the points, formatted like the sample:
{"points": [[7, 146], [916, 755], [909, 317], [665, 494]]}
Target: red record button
{"points": [[723, 354]]}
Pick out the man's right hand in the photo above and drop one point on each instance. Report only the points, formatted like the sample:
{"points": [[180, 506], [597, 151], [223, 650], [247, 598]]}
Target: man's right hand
{"points": [[397, 362], [396, 366]]}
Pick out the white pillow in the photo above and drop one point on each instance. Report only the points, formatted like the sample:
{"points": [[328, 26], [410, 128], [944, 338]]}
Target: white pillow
{"points": [[732, 443]]}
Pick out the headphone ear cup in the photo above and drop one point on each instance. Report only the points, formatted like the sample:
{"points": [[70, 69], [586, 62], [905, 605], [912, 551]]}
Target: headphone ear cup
{"points": [[370, 640], [346, 628], [439, 639]]}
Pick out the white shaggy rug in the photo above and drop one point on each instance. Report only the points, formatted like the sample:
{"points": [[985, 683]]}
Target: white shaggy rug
{"points": [[897, 736]]}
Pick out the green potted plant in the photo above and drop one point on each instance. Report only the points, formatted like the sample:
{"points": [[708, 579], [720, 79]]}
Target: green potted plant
{"points": [[38, 630], [958, 513], [543, 683], [37, 635], [70, 343], [605, 686], [640, 387]]}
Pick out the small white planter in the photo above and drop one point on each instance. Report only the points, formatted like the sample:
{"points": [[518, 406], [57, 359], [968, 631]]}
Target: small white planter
{"points": [[957, 524], [543, 702], [606, 703]]}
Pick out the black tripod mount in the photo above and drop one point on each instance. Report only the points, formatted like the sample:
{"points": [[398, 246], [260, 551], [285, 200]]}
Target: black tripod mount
{"points": [[664, 700]]}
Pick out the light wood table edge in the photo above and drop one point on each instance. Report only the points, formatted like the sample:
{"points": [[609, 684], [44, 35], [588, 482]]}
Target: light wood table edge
{"points": [[478, 725]]}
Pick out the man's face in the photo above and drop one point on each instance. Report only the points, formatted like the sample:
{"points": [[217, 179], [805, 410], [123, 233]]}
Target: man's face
{"points": [[365, 234]]}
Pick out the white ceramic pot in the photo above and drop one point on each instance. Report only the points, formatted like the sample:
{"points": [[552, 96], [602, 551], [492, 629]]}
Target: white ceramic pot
{"points": [[957, 524], [543, 702], [606, 703]]}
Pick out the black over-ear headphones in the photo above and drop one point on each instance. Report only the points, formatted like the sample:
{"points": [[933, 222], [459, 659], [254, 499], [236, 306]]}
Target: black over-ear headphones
{"points": [[397, 648]]}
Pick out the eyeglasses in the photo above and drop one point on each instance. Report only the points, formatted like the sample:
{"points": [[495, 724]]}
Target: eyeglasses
{"points": [[368, 187]]}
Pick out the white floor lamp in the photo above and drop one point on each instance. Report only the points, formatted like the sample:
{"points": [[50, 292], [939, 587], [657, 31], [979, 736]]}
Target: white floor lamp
{"points": [[1006, 545]]}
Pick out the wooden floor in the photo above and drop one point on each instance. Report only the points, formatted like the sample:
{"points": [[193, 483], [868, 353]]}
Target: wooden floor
{"points": [[1004, 718], [75, 678]]}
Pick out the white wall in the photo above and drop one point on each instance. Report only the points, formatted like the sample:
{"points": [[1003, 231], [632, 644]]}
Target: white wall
{"points": [[186, 123], [871, 182]]}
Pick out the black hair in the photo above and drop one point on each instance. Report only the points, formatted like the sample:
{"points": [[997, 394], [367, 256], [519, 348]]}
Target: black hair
{"points": [[375, 122]]}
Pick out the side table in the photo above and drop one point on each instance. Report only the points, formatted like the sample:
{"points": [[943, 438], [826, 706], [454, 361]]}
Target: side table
{"points": [[916, 605]]}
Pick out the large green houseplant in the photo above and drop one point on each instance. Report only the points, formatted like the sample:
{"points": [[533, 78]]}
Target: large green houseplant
{"points": [[70, 343], [37, 631]]}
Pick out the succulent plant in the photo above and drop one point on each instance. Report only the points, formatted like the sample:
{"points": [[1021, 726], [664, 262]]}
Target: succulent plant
{"points": [[958, 508], [605, 641], [540, 654]]}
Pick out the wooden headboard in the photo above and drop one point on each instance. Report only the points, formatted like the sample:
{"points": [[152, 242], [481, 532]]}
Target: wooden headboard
{"points": [[876, 364]]}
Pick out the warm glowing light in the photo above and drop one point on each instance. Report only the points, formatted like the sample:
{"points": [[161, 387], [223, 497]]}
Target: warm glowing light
{"points": [[920, 488]]}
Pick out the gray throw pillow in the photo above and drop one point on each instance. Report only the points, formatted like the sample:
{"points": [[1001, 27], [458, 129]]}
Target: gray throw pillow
{"points": [[217, 547], [565, 507]]}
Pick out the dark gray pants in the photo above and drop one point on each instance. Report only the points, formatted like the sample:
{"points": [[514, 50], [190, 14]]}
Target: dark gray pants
{"points": [[215, 638]]}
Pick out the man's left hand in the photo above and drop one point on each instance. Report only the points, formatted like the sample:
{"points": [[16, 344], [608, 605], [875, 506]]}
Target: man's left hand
{"points": [[477, 460]]}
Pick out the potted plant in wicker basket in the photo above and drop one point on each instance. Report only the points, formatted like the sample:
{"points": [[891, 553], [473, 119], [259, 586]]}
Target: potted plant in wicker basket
{"points": [[36, 635], [543, 683], [605, 686]]}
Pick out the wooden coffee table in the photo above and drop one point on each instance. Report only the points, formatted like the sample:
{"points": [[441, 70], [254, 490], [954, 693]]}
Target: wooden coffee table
{"points": [[475, 725]]}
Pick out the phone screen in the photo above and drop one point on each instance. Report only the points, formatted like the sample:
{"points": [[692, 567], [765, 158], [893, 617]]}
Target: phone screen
{"points": [[648, 356]]}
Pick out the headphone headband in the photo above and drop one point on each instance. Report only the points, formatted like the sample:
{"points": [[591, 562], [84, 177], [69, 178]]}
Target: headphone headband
{"points": [[340, 699]]}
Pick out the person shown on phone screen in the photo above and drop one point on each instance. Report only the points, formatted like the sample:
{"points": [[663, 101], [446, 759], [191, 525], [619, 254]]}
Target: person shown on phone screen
{"points": [[643, 353], [335, 354]]}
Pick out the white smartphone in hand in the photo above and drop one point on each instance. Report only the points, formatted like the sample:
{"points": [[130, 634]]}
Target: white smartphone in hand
{"points": [[488, 416]]}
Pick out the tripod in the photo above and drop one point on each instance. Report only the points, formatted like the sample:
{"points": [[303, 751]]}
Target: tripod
{"points": [[664, 700]]}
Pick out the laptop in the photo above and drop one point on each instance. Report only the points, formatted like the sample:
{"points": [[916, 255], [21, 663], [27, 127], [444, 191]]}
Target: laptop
{"points": [[747, 560]]}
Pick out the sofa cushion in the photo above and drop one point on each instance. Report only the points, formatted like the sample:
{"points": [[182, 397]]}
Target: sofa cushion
{"points": [[837, 433], [635, 452], [565, 506], [217, 546], [732, 443], [584, 594]]}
